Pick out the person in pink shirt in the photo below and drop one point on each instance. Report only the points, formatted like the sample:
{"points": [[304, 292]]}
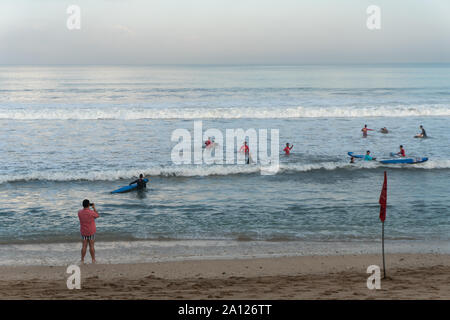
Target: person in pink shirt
{"points": [[87, 228], [246, 150]]}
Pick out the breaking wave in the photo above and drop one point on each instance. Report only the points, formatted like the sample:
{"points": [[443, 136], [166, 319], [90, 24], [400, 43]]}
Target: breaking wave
{"points": [[211, 170], [136, 113]]}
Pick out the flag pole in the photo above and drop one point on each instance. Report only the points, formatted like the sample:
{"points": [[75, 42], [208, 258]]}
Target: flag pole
{"points": [[383, 204], [382, 248]]}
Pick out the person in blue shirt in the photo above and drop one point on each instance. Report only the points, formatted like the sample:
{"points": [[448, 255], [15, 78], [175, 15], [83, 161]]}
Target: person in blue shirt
{"points": [[368, 157]]}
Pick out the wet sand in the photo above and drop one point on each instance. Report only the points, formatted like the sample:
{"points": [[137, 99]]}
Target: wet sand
{"points": [[410, 276]]}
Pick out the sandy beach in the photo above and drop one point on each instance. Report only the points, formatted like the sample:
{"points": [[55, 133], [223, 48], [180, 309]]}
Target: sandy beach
{"points": [[224, 151], [410, 276]]}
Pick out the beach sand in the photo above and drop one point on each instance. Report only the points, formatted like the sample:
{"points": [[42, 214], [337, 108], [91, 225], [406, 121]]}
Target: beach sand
{"points": [[410, 276]]}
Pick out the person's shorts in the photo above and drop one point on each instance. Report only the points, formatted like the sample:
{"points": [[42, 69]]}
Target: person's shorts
{"points": [[91, 237]]}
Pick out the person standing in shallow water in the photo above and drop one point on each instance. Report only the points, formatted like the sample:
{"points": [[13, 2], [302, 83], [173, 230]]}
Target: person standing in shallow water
{"points": [[88, 229], [246, 150], [364, 131]]}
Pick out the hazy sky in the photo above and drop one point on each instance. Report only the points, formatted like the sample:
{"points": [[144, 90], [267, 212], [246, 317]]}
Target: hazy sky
{"points": [[223, 32]]}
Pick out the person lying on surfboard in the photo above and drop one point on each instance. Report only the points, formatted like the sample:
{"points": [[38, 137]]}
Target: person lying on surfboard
{"points": [[364, 130], [368, 157], [402, 152], [141, 184]]}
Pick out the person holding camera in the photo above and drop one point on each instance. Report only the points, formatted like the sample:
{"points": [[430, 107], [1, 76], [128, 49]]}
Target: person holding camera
{"points": [[87, 228]]}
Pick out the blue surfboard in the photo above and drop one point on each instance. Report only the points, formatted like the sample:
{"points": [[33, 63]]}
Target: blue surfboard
{"points": [[404, 160], [127, 188], [359, 156]]}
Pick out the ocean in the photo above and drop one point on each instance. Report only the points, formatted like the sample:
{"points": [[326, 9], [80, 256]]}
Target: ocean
{"points": [[73, 132]]}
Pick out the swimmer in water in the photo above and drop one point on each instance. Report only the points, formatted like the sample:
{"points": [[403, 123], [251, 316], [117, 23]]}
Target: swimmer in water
{"points": [[364, 131], [423, 133], [368, 157], [287, 149], [384, 130]]}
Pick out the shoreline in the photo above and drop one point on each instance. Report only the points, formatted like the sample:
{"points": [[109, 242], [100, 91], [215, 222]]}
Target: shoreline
{"points": [[410, 276], [151, 251]]}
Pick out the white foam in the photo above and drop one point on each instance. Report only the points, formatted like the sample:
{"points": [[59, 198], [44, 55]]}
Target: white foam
{"points": [[58, 254], [136, 113], [435, 164], [210, 170]]}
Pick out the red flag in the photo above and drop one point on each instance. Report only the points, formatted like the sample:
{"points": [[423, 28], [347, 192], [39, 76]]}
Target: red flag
{"points": [[383, 199]]}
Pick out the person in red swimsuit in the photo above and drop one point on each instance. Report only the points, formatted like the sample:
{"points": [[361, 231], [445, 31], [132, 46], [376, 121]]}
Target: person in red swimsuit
{"points": [[288, 149], [401, 153], [246, 150]]}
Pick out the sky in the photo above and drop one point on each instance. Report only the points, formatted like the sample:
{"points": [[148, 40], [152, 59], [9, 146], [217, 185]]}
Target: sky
{"points": [[223, 32]]}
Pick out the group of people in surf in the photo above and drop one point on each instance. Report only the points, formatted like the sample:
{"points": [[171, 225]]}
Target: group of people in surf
{"points": [[421, 134], [369, 157], [245, 149], [401, 153]]}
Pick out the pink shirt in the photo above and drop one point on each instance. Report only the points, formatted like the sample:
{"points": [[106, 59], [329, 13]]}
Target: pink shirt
{"points": [[87, 221], [245, 148]]}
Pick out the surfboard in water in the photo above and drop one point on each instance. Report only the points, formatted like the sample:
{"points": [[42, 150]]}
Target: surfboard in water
{"points": [[127, 188], [395, 159], [404, 160], [359, 156]]}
